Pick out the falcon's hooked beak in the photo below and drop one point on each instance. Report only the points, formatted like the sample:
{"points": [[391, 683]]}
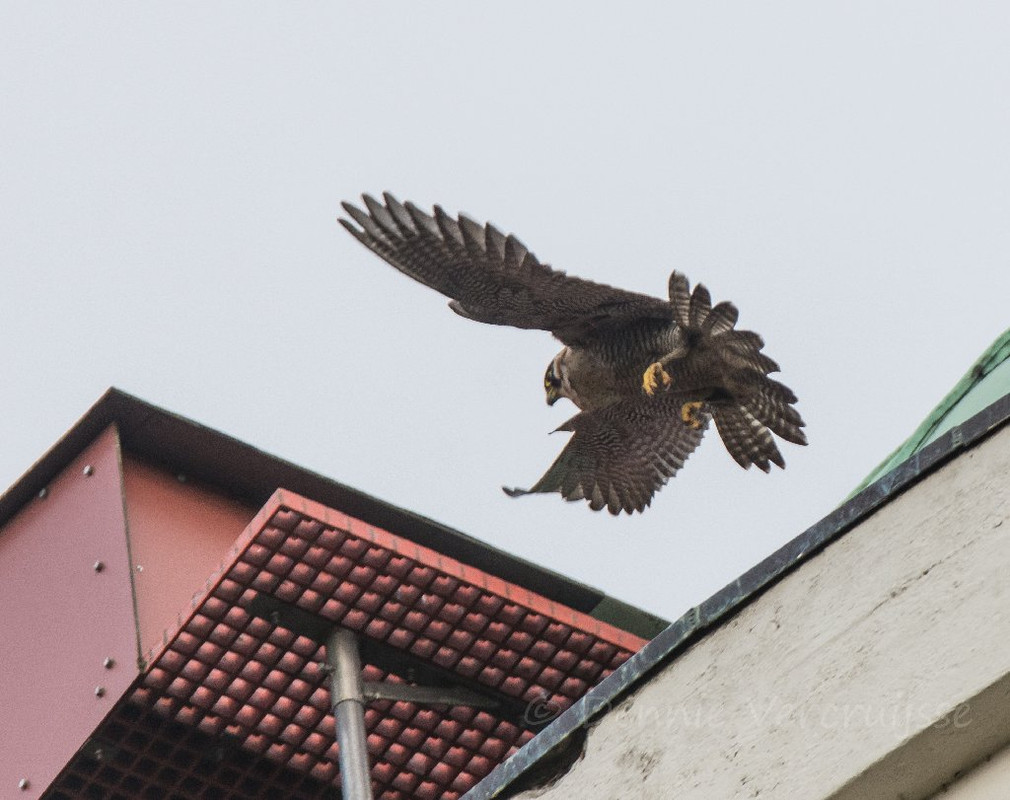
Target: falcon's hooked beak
{"points": [[552, 394]]}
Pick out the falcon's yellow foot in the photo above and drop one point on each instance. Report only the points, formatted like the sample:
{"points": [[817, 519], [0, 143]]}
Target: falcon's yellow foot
{"points": [[689, 412], [653, 377]]}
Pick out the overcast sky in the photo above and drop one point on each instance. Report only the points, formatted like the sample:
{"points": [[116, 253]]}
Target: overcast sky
{"points": [[170, 177]]}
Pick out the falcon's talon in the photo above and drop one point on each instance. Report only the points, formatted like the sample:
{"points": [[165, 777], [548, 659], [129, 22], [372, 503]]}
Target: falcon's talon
{"points": [[655, 376], [689, 412]]}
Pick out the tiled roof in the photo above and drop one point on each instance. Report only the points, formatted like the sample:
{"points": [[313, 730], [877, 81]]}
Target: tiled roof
{"points": [[247, 668]]}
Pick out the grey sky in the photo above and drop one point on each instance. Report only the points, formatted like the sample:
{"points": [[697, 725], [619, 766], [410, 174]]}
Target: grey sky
{"points": [[170, 176]]}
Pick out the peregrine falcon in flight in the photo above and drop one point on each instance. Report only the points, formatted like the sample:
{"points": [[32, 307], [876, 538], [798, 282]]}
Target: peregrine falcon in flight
{"points": [[646, 374]]}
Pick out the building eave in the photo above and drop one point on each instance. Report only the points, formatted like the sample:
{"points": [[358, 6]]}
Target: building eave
{"points": [[724, 604]]}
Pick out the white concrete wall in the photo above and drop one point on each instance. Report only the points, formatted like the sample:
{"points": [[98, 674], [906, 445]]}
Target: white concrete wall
{"points": [[873, 671]]}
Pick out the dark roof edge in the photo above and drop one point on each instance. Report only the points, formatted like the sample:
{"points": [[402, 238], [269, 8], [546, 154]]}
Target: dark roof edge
{"points": [[251, 475], [733, 597]]}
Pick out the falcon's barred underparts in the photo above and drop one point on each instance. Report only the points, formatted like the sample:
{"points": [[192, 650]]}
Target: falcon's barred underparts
{"points": [[647, 374]]}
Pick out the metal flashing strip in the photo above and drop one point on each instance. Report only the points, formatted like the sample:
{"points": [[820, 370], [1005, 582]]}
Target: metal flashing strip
{"points": [[733, 597]]}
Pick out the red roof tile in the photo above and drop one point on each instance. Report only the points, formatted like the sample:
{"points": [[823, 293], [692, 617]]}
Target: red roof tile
{"points": [[226, 672]]}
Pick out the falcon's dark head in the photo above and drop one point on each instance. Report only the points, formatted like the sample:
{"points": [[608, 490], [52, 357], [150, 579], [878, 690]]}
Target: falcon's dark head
{"points": [[556, 378]]}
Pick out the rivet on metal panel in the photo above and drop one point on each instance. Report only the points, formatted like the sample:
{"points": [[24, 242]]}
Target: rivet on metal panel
{"points": [[99, 566], [24, 784], [43, 492], [88, 470], [99, 691], [109, 662], [140, 567]]}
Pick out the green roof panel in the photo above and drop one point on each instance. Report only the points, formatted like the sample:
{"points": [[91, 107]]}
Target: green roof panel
{"points": [[986, 382]]}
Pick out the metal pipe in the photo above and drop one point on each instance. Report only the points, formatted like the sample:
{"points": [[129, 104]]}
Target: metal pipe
{"points": [[349, 712]]}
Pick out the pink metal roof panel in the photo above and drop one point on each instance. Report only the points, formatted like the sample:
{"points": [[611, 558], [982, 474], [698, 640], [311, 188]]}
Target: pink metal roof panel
{"points": [[230, 672], [69, 644], [179, 532]]}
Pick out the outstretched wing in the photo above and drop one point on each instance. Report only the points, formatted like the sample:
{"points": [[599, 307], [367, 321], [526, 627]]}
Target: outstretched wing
{"points": [[493, 278], [621, 455]]}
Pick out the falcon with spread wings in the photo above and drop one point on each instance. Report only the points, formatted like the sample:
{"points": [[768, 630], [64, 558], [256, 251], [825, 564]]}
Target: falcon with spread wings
{"points": [[646, 374]]}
